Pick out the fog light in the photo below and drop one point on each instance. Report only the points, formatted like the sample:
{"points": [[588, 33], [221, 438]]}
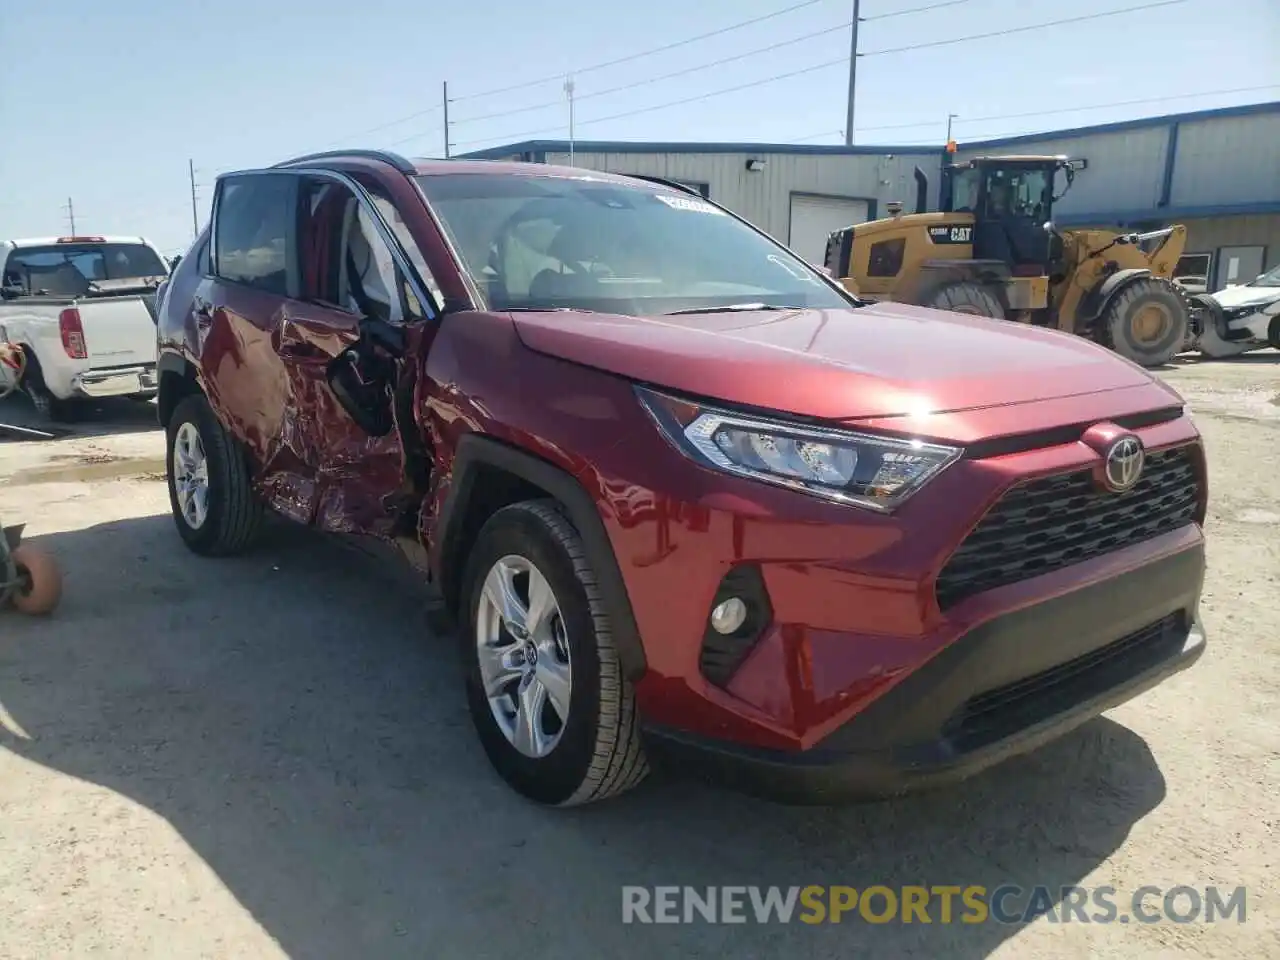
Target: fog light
{"points": [[729, 616]]}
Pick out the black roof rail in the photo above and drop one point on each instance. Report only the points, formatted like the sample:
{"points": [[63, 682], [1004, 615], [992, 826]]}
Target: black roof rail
{"points": [[664, 182], [386, 156]]}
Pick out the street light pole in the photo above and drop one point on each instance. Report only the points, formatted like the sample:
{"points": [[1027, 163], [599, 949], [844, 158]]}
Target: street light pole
{"points": [[568, 92]]}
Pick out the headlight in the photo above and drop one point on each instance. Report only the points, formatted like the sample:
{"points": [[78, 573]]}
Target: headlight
{"points": [[858, 469], [1235, 313]]}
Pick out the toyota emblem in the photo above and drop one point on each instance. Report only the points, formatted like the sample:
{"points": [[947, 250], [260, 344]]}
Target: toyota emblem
{"points": [[1123, 466]]}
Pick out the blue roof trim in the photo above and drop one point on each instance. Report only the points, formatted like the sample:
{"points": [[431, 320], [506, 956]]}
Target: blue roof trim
{"points": [[624, 146], [1169, 214], [1119, 126], [823, 149]]}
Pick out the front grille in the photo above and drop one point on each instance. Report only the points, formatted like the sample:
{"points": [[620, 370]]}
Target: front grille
{"points": [[997, 713], [1047, 524]]}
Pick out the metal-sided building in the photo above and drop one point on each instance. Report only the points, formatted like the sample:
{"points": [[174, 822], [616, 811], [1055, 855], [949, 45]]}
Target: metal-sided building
{"points": [[1217, 171]]}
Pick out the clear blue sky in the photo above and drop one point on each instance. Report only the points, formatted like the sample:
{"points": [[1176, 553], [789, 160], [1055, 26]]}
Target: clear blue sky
{"points": [[105, 102]]}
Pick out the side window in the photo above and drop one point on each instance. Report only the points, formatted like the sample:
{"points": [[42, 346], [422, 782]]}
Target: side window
{"points": [[253, 231], [203, 264], [885, 258], [391, 215], [345, 261]]}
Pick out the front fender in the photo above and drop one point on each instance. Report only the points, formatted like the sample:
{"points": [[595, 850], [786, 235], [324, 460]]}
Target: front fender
{"points": [[1095, 301]]}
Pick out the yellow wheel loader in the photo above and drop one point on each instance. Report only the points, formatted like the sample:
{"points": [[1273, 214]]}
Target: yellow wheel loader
{"points": [[993, 250]]}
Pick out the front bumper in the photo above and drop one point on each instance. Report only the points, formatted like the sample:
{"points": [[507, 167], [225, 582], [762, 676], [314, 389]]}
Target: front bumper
{"points": [[1006, 687], [116, 381]]}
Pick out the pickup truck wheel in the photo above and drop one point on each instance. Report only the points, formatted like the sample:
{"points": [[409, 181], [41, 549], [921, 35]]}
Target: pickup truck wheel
{"points": [[48, 407], [210, 491], [550, 704]]}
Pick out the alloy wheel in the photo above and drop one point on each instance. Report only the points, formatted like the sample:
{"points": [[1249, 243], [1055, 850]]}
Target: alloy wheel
{"points": [[523, 653]]}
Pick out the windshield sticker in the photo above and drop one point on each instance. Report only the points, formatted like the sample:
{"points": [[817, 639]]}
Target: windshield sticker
{"points": [[688, 203]]}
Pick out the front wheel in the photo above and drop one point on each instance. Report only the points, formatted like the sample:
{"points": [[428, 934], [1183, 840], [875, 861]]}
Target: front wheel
{"points": [[210, 490], [1147, 322], [971, 298], [544, 685]]}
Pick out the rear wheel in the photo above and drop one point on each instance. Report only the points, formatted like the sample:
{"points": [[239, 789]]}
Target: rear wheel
{"points": [[966, 297], [48, 407], [210, 490], [1147, 322], [550, 704]]}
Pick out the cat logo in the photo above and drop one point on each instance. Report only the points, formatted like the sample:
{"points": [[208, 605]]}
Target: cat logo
{"points": [[951, 234]]}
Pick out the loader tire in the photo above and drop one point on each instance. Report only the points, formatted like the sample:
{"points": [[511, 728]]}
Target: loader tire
{"points": [[1147, 322], [970, 298]]}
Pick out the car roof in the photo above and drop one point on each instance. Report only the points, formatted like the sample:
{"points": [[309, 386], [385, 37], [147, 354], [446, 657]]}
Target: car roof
{"points": [[516, 168]]}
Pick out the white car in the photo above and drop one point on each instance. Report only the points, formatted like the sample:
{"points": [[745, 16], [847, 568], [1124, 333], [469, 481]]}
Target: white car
{"points": [[1242, 318], [82, 311]]}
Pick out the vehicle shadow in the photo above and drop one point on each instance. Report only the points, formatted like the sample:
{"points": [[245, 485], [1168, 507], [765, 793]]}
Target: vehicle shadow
{"points": [[111, 415], [1263, 356], [317, 754]]}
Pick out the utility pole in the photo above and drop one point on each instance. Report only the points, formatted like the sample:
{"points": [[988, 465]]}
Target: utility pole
{"points": [[195, 220], [568, 92], [446, 119], [71, 215], [853, 76]]}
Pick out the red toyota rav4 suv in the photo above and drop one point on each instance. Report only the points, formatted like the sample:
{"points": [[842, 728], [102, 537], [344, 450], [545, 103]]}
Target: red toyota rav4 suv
{"points": [[683, 494]]}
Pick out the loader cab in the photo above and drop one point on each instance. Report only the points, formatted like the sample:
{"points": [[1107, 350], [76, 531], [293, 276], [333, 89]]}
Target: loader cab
{"points": [[1011, 199]]}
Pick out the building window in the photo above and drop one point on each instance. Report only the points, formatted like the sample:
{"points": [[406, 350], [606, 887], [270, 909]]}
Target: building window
{"points": [[1193, 265]]}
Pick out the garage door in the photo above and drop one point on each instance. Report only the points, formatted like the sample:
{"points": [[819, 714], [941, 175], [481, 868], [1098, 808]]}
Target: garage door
{"points": [[813, 219]]}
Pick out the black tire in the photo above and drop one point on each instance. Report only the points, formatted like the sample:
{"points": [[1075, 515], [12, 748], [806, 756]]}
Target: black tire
{"points": [[599, 753], [47, 407], [1126, 323], [1273, 332], [234, 514], [966, 297]]}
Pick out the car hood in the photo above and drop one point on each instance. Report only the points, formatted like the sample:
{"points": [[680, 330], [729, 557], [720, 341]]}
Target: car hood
{"points": [[1245, 296], [876, 361]]}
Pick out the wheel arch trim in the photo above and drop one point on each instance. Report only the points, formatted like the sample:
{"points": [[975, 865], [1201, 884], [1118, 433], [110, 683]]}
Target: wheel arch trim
{"points": [[474, 452]]}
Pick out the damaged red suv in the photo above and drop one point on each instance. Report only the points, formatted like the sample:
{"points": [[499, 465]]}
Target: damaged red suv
{"points": [[684, 496]]}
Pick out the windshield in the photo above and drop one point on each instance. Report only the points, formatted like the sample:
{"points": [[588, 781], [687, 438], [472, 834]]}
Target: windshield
{"points": [[542, 242], [1019, 192], [74, 269], [1269, 279]]}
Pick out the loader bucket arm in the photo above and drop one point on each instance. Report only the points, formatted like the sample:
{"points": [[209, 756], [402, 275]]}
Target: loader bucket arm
{"points": [[1166, 244]]}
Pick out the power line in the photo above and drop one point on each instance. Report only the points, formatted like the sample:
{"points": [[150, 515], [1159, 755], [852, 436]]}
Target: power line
{"points": [[559, 76], [843, 61], [675, 103], [643, 53], [900, 13], [1012, 30], [1076, 109], [666, 76]]}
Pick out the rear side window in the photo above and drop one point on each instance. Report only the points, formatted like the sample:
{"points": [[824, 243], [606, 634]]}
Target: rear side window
{"points": [[253, 231]]}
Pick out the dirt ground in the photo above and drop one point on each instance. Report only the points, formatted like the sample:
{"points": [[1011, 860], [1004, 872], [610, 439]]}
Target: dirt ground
{"points": [[270, 756]]}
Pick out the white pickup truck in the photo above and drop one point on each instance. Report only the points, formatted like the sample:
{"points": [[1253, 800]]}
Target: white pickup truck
{"points": [[82, 310]]}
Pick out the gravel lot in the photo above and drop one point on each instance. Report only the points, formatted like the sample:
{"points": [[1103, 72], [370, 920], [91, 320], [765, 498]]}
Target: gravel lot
{"points": [[271, 756]]}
